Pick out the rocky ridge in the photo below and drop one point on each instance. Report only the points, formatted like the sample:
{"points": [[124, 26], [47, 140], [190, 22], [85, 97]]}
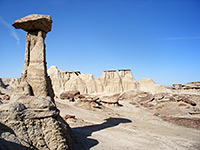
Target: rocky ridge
{"points": [[111, 82]]}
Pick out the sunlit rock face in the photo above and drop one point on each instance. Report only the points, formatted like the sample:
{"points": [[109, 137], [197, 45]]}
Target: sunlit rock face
{"points": [[148, 85], [110, 82]]}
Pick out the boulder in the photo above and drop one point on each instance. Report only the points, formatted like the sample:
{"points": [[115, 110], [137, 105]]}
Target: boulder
{"points": [[109, 100], [68, 116], [6, 97], [95, 105], [69, 95], [144, 97], [189, 102], [33, 123], [88, 99], [34, 22]]}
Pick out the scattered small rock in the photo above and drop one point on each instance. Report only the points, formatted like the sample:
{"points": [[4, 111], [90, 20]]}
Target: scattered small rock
{"points": [[144, 97], [6, 97], [194, 111], [88, 99], [182, 104], [158, 96], [109, 100], [185, 122], [69, 116], [159, 107], [156, 114], [189, 102], [133, 103], [147, 105], [95, 105]]}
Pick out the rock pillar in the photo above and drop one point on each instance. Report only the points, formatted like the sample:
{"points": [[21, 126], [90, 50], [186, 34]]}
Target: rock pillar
{"points": [[34, 78]]}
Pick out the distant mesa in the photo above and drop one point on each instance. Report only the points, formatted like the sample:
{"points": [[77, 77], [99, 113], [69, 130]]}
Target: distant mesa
{"points": [[34, 22], [188, 86]]}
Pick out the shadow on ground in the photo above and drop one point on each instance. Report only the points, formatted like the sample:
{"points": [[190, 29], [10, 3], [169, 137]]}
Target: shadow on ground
{"points": [[82, 133]]}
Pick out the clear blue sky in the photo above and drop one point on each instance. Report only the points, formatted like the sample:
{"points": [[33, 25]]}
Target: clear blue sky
{"points": [[158, 39]]}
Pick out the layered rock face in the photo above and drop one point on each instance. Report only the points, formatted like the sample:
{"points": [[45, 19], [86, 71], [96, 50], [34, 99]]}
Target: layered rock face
{"points": [[117, 82], [32, 123], [110, 82], [148, 85], [34, 78]]}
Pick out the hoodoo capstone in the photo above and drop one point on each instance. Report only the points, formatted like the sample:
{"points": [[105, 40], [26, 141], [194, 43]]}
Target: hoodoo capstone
{"points": [[34, 22], [34, 78]]}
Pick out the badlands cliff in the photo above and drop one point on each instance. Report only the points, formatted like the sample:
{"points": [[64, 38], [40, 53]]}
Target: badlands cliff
{"points": [[111, 82]]}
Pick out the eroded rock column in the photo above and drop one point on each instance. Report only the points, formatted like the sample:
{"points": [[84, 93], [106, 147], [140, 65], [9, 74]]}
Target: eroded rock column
{"points": [[34, 78]]}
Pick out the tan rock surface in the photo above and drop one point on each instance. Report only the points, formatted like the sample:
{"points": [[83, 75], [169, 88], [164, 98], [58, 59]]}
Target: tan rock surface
{"points": [[126, 127], [148, 85], [128, 82], [34, 78], [110, 82], [33, 123]]}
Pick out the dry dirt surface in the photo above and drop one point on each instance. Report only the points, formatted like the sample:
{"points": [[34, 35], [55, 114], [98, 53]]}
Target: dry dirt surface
{"points": [[127, 127]]}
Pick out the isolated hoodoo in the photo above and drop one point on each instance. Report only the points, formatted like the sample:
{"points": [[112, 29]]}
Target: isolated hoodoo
{"points": [[34, 78]]}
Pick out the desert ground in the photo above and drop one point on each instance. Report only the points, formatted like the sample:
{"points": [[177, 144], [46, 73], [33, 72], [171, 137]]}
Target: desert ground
{"points": [[125, 127]]}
